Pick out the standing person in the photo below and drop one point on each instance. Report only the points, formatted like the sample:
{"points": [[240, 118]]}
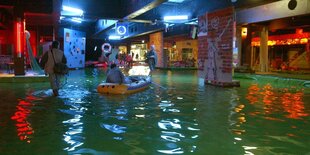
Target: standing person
{"points": [[55, 55], [151, 58], [129, 60], [113, 57], [137, 57]]}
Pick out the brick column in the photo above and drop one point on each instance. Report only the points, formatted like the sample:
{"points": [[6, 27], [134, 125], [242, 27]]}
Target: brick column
{"points": [[157, 39], [216, 49]]}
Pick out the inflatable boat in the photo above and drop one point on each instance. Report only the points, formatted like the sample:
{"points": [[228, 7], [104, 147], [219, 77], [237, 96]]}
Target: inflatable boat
{"points": [[138, 83]]}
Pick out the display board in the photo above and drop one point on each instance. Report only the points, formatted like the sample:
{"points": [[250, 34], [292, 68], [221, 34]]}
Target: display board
{"points": [[74, 48]]}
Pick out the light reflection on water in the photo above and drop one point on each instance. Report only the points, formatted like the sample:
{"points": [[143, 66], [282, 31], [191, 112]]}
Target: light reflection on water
{"points": [[74, 98], [184, 118]]}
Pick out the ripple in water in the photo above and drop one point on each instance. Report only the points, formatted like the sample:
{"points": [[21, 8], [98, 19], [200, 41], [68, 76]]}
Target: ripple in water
{"points": [[114, 128]]}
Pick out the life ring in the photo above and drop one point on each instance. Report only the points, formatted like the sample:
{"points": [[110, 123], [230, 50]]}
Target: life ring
{"points": [[103, 48]]}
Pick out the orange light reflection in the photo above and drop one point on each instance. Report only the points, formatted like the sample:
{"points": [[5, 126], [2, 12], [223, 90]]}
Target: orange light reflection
{"points": [[293, 104], [252, 93]]}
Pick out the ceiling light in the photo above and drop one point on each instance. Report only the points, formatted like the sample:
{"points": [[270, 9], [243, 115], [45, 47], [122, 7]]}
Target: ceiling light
{"points": [[114, 37], [74, 10], [181, 17], [77, 20], [176, 1]]}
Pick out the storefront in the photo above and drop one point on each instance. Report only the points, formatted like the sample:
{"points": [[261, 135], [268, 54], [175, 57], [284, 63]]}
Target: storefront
{"points": [[181, 53], [285, 52], [138, 51]]}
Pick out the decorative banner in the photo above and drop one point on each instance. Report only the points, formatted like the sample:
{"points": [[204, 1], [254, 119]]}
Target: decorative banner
{"points": [[121, 29]]}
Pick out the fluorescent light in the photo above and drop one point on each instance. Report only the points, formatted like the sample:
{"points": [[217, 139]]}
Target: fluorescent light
{"points": [[182, 17], [77, 20], [114, 37], [74, 10], [176, 1]]}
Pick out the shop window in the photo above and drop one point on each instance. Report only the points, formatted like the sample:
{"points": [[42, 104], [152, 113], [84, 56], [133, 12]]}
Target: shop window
{"points": [[187, 53]]}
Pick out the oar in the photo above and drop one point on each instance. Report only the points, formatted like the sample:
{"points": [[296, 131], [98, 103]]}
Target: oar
{"points": [[158, 85]]}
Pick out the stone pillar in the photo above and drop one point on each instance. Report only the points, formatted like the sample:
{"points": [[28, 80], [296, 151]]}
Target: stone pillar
{"points": [[56, 16], [263, 50], [239, 44], [246, 48], [157, 39]]}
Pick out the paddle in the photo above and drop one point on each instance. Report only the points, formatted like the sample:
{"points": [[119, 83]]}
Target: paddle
{"points": [[158, 85]]}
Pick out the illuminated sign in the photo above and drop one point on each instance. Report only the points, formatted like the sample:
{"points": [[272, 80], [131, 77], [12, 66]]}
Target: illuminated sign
{"points": [[121, 29]]}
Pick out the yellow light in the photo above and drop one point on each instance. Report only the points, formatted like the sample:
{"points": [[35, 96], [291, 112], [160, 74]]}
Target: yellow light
{"points": [[244, 32], [304, 41]]}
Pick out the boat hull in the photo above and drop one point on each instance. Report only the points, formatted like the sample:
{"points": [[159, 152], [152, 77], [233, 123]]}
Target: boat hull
{"points": [[112, 88]]}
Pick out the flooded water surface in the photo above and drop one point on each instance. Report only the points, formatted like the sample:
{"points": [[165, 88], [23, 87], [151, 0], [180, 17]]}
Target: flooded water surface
{"points": [[177, 114]]}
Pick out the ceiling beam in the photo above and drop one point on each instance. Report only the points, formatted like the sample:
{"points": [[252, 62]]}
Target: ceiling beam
{"points": [[130, 17], [145, 9]]}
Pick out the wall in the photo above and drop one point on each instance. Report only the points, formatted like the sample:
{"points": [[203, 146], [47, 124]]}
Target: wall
{"points": [[272, 11], [74, 48], [6, 42]]}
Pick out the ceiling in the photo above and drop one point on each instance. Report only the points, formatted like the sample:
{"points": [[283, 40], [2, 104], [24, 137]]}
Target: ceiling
{"points": [[131, 11], [148, 11], [119, 9]]}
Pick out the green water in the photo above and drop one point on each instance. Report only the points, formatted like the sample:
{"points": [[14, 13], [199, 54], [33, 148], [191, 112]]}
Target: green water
{"points": [[177, 115]]}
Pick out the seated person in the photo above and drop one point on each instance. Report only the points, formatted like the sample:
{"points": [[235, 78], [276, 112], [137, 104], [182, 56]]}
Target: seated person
{"points": [[114, 75]]}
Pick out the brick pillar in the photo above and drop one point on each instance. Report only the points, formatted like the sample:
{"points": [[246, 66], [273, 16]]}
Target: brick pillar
{"points": [[157, 39], [217, 48]]}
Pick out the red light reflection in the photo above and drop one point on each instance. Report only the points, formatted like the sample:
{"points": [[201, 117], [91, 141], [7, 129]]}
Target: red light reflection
{"points": [[273, 100], [23, 110]]}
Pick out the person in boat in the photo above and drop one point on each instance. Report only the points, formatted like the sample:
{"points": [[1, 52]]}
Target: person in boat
{"points": [[115, 75], [151, 58]]}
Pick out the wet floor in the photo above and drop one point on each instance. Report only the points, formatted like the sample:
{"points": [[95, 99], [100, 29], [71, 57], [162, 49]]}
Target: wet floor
{"points": [[176, 115]]}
